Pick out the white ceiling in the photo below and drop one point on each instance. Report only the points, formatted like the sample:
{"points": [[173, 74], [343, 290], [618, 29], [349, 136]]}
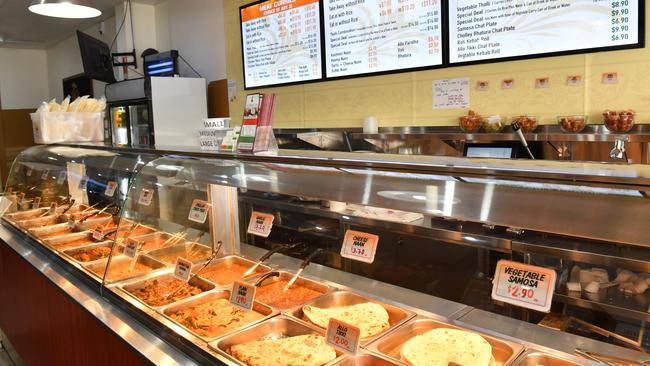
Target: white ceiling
{"points": [[21, 28]]}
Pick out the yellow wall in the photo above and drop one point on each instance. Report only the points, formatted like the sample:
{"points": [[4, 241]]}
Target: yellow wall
{"points": [[405, 99]]}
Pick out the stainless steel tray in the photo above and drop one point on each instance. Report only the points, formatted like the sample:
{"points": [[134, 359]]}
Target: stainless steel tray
{"points": [[152, 241], [62, 242], [265, 310], [47, 232], [278, 326], [201, 252], [216, 263], [134, 285], [396, 315], [504, 352], [39, 222], [104, 244], [537, 358], [99, 267], [300, 281], [90, 224], [364, 359], [26, 215]]}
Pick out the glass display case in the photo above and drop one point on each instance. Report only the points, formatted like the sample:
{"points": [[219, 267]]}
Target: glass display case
{"points": [[404, 248]]}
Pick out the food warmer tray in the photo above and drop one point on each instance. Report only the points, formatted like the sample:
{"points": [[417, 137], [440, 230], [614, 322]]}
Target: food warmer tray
{"points": [[321, 286], [236, 259], [97, 268]]}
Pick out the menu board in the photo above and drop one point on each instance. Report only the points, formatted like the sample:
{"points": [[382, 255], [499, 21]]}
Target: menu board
{"points": [[484, 30], [281, 42], [368, 36]]}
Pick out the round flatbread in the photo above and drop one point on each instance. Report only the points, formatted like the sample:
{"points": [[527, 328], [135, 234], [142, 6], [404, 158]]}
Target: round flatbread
{"points": [[304, 350], [442, 346], [369, 317]]}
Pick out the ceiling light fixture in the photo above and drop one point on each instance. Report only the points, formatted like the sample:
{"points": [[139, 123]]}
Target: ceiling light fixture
{"points": [[76, 9]]}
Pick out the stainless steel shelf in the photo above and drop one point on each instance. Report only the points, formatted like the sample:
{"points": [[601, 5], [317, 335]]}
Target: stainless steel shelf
{"points": [[611, 301]]}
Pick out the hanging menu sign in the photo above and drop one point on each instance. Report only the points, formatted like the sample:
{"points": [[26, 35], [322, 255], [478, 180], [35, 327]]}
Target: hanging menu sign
{"points": [[281, 42], [484, 30], [367, 36]]}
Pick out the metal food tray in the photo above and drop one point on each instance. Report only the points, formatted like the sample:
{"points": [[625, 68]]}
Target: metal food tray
{"points": [[396, 315], [150, 241], [26, 215], [126, 232], [78, 213], [139, 283], [39, 222], [51, 230], [108, 244], [180, 250], [504, 352], [278, 326], [265, 310], [365, 359], [323, 288], [260, 270], [538, 358], [93, 222], [58, 241], [98, 267]]}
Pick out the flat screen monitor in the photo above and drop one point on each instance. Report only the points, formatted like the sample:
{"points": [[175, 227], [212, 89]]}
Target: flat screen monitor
{"points": [[370, 37], [484, 31], [96, 58], [281, 42]]}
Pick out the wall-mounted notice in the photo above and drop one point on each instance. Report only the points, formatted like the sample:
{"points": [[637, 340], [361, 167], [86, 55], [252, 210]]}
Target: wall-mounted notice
{"points": [[281, 42], [451, 93], [367, 36], [485, 30]]}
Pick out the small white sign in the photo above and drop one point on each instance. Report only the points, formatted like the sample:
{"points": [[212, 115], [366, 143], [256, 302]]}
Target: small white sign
{"points": [[71, 222], [98, 233], [61, 178], [574, 80], [609, 78], [243, 295], [52, 209], [131, 249], [260, 224], [45, 175], [199, 211], [146, 196], [343, 336], [29, 172], [83, 182], [5, 203], [451, 93], [110, 189], [359, 246], [36, 203], [183, 269], [524, 285]]}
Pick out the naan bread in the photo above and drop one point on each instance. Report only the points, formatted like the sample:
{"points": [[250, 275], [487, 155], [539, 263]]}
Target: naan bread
{"points": [[371, 318], [440, 347], [303, 350]]}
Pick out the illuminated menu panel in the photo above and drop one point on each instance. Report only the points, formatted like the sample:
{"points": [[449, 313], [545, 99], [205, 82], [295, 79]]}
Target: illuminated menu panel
{"points": [[368, 36], [281, 42], [485, 30]]}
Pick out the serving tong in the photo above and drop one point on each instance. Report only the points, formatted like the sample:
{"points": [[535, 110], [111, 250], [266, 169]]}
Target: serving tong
{"points": [[303, 265], [212, 257], [268, 255]]}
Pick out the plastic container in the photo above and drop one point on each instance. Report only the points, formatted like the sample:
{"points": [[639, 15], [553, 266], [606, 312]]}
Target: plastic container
{"points": [[572, 124], [493, 124], [527, 123], [55, 127], [621, 121], [471, 122]]}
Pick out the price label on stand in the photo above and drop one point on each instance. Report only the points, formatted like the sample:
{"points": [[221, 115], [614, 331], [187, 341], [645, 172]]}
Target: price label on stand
{"points": [[131, 249], [343, 336], [199, 211], [45, 175], [71, 222], [98, 233], [183, 269], [5, 203], [260, 224], [524, 285], [29, 172], [146, 196], [83, 182], [36, 203], [110, 189], [359, 246], [61, 178], [52, 209], [242, 295]]}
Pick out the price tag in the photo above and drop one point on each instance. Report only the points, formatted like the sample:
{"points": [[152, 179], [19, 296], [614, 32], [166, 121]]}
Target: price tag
{"points": [[199, 211], [83, 182], [183, 269], [71, 222], [131, 249], [45, 175], [242, 295], [343, 336], [98, 233], [146, 195], [5, 203], [61, 178], [524, 285], [110, 189], [29, 172], [359, 246], [52, 209], [36, 203], [260, 224]]}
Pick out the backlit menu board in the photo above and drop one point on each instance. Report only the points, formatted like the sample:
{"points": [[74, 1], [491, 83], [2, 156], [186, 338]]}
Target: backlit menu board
{"points": [[487, 30], [370, 36], [281, 42]]}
